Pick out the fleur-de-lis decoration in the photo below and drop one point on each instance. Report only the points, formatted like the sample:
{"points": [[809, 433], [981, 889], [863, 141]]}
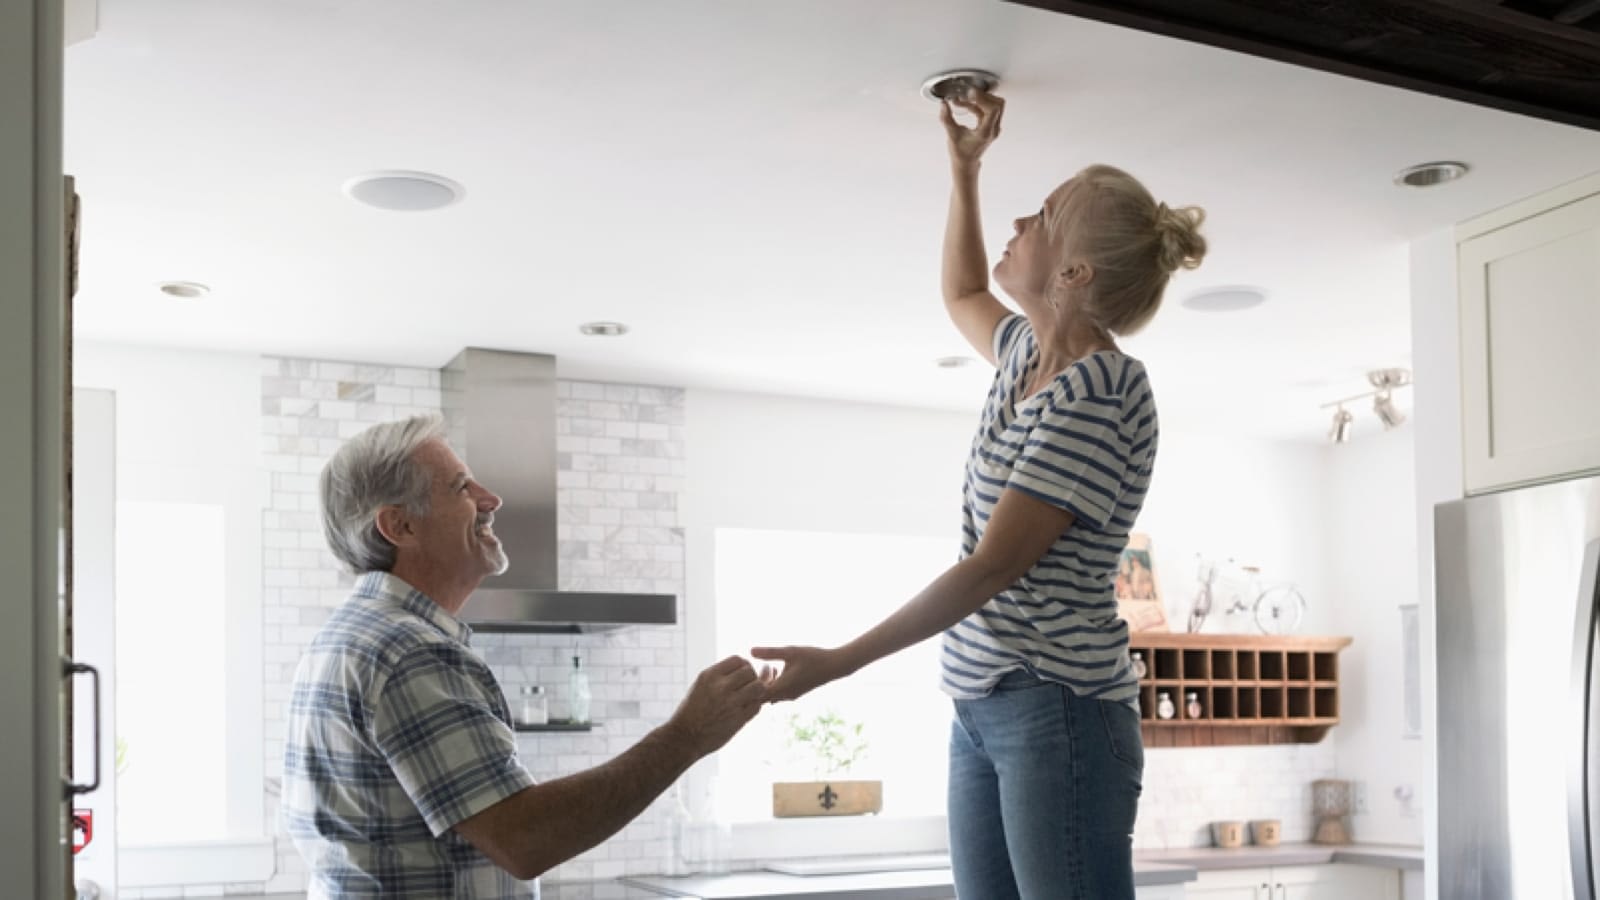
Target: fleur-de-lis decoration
{"points": [[828, 797]]}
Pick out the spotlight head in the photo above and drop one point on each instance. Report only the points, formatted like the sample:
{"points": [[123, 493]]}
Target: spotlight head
{"points": [[1340, 432], [1384, 406]]}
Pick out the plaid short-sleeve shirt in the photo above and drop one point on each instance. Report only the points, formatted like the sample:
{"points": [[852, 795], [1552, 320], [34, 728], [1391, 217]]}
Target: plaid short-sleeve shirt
{"points": [[397, 732]]}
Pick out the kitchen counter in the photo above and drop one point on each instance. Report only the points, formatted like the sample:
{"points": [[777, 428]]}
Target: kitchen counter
{"points": [[594, 890], [1207, 859], [1152, 868], [548, 890], [918, 884]]}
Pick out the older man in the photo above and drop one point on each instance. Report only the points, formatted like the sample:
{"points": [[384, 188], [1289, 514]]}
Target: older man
{"points": [[401, 776]]}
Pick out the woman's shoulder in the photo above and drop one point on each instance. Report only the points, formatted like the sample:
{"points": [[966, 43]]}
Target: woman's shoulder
{"points": [[1013, 334], [1105, 375]]}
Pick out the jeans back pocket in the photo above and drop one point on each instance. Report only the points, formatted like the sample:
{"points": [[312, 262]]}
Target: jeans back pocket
{"points": [[1122, 732]]}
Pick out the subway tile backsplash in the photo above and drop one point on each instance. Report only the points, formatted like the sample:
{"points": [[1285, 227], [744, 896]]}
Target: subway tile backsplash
{"points": [[1185, 790]]}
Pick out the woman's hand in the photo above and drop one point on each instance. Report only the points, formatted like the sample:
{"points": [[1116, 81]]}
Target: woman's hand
{"points": [[967, 144], [804, 670]]}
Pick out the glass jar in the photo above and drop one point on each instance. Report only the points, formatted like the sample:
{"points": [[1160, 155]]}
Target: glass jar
{"points": [[535, 706], [578, 693], [1164, 707], [1140, 670], [1192, 704]]}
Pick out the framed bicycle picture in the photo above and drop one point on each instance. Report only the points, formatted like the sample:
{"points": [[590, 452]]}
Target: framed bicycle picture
{"points": [[1138, 593]]}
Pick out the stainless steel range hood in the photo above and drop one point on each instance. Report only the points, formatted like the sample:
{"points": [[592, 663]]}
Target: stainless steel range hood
{"points": [[500, 408]]}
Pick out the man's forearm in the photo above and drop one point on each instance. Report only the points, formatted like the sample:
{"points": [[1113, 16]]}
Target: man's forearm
{"points": [[565, 817]]}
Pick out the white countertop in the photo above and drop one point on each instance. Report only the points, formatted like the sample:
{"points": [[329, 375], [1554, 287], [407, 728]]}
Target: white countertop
{"points": [[915, 884], [1205, 859], [1151, 867]]}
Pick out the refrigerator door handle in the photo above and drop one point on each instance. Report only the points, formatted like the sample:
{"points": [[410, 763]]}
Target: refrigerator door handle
{"points": [[69, 669], [1583, 771]]}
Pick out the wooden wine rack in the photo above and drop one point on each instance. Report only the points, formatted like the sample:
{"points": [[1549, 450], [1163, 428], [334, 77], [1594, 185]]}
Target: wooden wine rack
{"points": [[1253, 689]]}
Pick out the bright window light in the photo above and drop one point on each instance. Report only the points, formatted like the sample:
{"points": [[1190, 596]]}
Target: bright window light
{"points": [[792, 587]]}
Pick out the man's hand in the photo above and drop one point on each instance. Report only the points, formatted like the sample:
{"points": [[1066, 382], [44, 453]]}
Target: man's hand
{"points": [[720, 702], [804, 670]]}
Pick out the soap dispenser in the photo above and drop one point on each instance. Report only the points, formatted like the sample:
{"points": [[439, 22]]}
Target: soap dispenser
{"points": [[578, 693]]}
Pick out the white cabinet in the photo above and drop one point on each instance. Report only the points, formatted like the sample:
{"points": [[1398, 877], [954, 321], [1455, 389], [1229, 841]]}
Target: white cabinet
{"points": [[1529, 283], [1330, 882], [1232, 884]]}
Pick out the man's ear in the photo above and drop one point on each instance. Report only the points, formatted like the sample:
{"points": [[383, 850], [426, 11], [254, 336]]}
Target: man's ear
{"points": [[395, 526]]}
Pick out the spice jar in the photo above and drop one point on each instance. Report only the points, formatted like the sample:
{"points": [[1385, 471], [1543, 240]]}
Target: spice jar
{"points": [[535, 707]]}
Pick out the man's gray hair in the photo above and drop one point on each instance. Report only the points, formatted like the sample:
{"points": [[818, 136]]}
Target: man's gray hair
{"points": [[374, 469]]}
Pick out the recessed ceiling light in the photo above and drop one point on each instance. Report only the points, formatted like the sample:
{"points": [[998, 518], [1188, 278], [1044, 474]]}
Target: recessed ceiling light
{"points": [[954, 362], [403, 191], [1230, 298], [956, 83], [1430, 174], [603, 329], [184, 290]]}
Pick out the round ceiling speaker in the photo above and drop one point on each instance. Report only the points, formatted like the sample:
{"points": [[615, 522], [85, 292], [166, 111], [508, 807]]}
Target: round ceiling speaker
{"points": [[402, 191]]}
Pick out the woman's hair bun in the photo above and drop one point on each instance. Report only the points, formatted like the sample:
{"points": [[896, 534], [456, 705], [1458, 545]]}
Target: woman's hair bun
{"points": [[1182, 246]]}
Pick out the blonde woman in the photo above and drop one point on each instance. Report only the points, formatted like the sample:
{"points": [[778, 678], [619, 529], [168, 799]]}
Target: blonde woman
{"points": [[1045, 755]]}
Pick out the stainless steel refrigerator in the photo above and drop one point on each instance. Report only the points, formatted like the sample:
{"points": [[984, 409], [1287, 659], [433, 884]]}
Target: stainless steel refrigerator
{"points": [[1518, 700]]}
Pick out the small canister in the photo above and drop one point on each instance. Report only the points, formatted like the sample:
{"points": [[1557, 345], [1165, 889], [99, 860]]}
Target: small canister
{"points": [[535, 706], [1266, 832], [1228, 834]]}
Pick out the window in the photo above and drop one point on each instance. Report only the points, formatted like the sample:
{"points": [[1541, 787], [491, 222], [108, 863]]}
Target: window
{"points": [[795, 587], [178, 531]]}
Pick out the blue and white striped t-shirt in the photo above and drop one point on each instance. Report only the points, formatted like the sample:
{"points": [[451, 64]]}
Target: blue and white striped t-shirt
{"points": [[1086, 443]]}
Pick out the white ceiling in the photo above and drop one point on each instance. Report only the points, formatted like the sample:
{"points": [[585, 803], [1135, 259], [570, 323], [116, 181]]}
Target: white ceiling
{"points": [[756, 188]]}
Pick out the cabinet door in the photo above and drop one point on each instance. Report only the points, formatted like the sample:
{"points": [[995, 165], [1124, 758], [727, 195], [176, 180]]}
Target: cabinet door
{"points": [[1335, 882], [1231, 884], [1530, 348]]}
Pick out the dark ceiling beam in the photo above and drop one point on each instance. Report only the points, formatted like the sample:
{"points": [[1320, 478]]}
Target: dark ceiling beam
{"points": [[1577, 11], [1510, 21], [1475, 51]]}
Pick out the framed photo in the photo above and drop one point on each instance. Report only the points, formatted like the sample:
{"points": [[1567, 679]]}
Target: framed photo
{"points": [[1138, 593]]}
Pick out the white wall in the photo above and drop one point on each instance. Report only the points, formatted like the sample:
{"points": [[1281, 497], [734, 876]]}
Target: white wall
{"points": [[1262, 503], [759, 461], [188, 430], [1373, 543], [1436, 360]]}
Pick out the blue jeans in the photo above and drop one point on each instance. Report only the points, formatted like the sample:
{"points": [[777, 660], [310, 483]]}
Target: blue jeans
{"points": [[1044, 789]]}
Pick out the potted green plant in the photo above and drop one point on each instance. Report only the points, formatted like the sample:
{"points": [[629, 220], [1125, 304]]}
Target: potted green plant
{"points": [[830, 745]]}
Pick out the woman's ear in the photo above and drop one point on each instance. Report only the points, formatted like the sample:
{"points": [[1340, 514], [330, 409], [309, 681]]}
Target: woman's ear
{"points": [[1077, 275], [395, 525]]}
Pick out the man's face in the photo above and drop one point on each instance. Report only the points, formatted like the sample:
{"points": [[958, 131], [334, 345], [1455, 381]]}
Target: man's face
{"points": [[457, 536]]}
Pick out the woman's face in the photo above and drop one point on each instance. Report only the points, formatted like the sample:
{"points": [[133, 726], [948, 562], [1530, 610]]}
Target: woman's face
{"points": [[1032, 257]]}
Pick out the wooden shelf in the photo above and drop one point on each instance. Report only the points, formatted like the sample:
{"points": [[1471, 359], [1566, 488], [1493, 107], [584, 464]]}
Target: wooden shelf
{"points": [[1253, 689]]}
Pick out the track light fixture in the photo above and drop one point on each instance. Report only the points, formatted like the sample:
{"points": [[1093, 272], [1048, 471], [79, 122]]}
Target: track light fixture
{"points": [[1340, 432], [1384, 383]]}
